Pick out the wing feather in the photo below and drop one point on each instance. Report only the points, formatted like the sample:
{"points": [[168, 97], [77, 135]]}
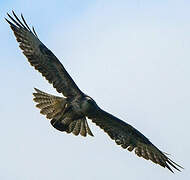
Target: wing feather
{"points": [[42, 58], [131, 139]]}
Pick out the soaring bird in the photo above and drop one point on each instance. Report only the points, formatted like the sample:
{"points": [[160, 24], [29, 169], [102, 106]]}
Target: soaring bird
{"points": [[70, 112]]}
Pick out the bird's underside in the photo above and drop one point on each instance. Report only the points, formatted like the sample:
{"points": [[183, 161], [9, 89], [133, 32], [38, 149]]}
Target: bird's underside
{"points": [[70, 112], [59, 110]]}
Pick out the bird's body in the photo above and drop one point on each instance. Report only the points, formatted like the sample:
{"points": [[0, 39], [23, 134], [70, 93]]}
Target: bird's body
{"points": [[70, 112]]}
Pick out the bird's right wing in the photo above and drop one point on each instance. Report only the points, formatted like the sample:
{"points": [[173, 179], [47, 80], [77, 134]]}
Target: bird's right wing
{"points": [[130, 138], [42, 58]]}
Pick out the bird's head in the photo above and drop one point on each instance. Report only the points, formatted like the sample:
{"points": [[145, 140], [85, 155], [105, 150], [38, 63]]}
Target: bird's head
{"points": [[88, 105]]}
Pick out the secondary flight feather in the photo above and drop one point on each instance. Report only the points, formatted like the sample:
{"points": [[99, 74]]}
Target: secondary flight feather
{"points": [[70, 112]]}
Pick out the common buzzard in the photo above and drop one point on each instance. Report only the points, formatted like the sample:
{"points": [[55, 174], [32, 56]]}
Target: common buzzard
{"points": [[69, 113]]}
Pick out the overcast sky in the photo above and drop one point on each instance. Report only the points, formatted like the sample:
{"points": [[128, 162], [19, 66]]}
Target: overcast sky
{"points": [[132, 57]]}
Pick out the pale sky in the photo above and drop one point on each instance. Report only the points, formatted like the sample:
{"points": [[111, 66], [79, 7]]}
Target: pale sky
{"points": [[132, 57]]}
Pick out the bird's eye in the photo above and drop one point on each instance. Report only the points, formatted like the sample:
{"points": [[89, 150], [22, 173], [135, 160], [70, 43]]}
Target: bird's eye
{"points": [[89, 100]]}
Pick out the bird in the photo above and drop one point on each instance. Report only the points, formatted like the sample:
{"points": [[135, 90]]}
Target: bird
{"points": [[70, 112]]}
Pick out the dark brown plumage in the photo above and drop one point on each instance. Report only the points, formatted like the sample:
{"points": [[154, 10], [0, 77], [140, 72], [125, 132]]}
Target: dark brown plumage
{"points": [[69, 113]]}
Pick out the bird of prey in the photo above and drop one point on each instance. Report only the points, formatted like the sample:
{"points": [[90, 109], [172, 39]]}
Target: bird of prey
{"points": [[70, 112]]}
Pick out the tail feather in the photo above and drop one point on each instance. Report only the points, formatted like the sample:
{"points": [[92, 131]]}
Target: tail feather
{"points": [[79, 126], [50, 105], [53, 107], [83, 128], [71, 127], [88, 129]]}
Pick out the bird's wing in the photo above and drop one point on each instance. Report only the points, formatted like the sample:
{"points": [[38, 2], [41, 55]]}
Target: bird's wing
{"points": [[42, 58], [130, 138]]}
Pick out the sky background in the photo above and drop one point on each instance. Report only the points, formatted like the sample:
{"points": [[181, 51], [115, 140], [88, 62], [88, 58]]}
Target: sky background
{"points": [[132, 57]]}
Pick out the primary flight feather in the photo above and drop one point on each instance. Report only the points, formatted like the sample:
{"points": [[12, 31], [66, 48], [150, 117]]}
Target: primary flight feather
{"points": [[70, 112]]}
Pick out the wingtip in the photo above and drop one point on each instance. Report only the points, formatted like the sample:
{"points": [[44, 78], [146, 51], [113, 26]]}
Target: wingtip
{"points": [[175, 165], [14, 14], [8, 14], [92, 135], [36, 89], [13, 11], [6, 19], [9, 22], [9, 17]]}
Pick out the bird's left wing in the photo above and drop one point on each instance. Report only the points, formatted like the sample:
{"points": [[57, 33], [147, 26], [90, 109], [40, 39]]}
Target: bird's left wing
{"points": [[42, 58], [130, 138]]}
